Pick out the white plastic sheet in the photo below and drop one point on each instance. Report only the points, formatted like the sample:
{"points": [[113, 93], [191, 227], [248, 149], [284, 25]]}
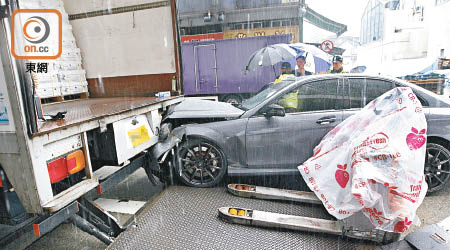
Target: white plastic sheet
{"points": [[374, 162]]}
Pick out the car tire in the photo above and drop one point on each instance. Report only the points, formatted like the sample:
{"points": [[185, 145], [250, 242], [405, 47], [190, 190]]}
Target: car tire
{"points": [[437, 167], [233, 99], [201, 163]]}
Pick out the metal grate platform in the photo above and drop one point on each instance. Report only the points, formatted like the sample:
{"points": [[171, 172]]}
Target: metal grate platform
{"points": [[186, 218]]}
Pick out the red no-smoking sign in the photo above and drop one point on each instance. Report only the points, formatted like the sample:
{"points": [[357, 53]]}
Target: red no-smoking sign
{"points": [[327, 46]]}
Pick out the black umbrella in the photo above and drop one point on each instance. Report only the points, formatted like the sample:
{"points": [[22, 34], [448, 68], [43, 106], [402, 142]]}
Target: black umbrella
{"points": [[270, 55]]}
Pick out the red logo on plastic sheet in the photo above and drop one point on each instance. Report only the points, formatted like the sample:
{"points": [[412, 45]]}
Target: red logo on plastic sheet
{"points": [[402, 226], [306, 169], [392, 113], [403, 195], [317, 157], [412, 97], [378, 141], [374, 214], [359, 161], [341, 211], [314, 185], [342, 176], [327, 204], [416, 140]]}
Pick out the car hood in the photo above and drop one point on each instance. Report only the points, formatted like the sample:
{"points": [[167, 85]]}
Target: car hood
{"points": [[195, 108]]}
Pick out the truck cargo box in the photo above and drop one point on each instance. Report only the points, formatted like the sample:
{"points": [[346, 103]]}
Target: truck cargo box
{"points": [[218, 67]]}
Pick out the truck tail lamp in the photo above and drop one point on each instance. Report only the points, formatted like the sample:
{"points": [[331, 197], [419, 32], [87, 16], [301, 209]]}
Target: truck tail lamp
{"points": [[57, 169], [75, 162]]}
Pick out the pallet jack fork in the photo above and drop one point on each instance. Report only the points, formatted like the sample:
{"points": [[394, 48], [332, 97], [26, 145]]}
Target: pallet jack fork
{"points": [[356, 226]]}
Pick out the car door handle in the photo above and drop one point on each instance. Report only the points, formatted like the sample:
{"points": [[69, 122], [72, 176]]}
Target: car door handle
{"points": [[326, 120]]}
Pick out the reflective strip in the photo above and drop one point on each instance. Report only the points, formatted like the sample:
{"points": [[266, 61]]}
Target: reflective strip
{"points": [[290, 101], [36, 230], [281, 78]]}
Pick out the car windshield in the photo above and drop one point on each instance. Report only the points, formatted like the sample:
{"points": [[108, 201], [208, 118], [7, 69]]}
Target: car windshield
{"points": [[263, 95]]}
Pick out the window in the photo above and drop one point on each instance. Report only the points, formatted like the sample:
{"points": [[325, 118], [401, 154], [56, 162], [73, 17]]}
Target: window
{"points": [[355, 94], [286, 23], [315, 96], [276, 23], [257, 25], [375, 88], [372, 22], [238, 26]]}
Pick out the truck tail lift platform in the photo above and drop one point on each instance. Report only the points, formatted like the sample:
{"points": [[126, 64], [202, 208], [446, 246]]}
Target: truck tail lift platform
{"points": [[86, 212], [356, 226]]}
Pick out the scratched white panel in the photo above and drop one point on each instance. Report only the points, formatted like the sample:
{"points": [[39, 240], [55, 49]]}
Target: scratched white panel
{"points": [[124, 147], [61, 147], [83, 6], [131, 43]]}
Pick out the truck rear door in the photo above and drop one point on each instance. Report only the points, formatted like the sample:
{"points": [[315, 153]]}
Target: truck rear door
{"points": [[205, 69]]}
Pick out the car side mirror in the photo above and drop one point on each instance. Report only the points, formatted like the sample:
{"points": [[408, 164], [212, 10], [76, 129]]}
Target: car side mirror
{"points": [[274, 110]]}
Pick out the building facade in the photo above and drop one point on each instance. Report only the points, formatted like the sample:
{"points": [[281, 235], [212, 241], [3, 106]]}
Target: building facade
{"points": [[404, 37], [244, 18]]}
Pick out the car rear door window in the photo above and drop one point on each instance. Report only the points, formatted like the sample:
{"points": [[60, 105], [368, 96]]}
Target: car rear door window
{"points": [[375, 88], [355, 94]]}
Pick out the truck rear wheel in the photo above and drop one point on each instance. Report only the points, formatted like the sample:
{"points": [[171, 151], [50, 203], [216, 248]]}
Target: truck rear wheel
{"points": [[201, 163], [233, 98]]}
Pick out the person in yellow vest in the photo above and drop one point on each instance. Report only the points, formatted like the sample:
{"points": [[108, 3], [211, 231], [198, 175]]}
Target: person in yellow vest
{"points": [[290, 101], [337, 65], [286, 70]]}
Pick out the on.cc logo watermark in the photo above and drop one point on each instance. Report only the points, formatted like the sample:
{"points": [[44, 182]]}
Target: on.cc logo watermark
{"points": [[36, 34]]}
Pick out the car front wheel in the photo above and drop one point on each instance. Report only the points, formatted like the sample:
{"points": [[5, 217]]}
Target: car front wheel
{"points": [[437, 167], [200, 163]]}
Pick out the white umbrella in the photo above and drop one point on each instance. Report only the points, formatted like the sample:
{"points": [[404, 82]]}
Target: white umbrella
{"points": [[316, 59]]}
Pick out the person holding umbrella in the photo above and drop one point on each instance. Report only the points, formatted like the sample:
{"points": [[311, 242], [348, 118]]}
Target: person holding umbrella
{"points": [[286, 69], [301, 61]]}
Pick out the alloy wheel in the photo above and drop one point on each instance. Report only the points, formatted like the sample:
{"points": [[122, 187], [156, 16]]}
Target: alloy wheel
{"points": [[201, 164], [437, 167]]}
